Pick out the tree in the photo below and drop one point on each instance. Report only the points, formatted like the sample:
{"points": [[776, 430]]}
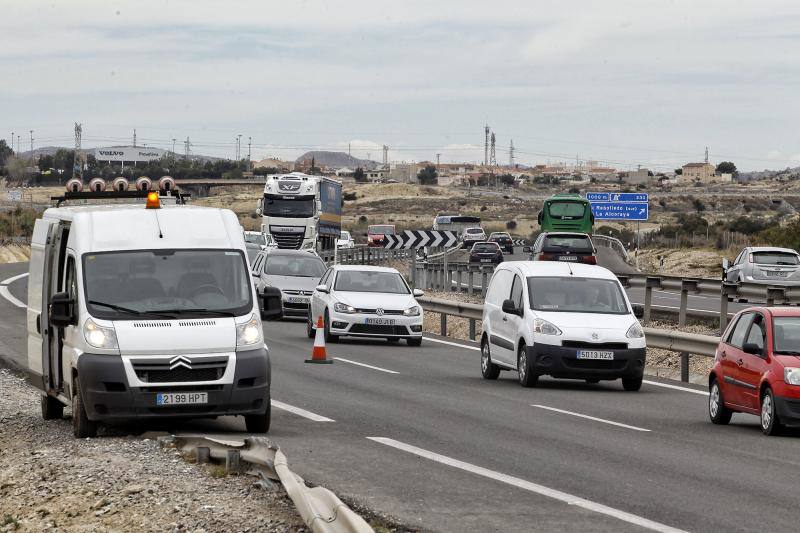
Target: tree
{"points": [[5, 152], [727, 167], [678, 171], [428, 176], [359, 175]]}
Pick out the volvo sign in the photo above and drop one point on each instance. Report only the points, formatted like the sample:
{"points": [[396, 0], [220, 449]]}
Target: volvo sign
{"points": [[128, 154]]}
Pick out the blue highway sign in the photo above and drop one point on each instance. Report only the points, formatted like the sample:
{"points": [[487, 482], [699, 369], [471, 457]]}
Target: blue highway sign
{"points": [[620, 210], [618, 196]]}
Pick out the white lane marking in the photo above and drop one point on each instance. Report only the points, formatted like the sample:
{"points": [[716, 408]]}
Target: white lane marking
{"points": [[603, 420], [675, 387], [379, 369], [440, 341], [300, 412], [564, 497], [9, 281], [5, 293], [656, 383]]}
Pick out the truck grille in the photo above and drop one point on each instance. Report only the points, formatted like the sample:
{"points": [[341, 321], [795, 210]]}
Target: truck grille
{"points": [[205, 369], [288, 241]]}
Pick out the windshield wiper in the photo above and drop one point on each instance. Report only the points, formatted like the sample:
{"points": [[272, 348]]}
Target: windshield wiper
{"points": [[195, 310], [116, 307]]}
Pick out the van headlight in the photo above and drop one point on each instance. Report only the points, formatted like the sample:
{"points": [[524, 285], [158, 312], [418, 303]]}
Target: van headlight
{"points": [[249, 332], [411, 311], [791, 375], [544, 327], [635, 331], [99, 336]]}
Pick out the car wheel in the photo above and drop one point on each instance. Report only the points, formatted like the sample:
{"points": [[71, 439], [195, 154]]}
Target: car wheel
{"points": [[259, 423], [489, 370], [717, 412], [527, 378], [82, 427], [326, 322], [632, 384], [52, 409], [310, 331], [414, 341], [770, 424]]}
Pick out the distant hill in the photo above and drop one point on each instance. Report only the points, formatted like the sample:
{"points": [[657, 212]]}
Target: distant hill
{"points": [[336, 160]]}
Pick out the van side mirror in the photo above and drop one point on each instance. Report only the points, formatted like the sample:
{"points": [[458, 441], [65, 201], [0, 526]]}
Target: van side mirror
{"points": [[417, 293], [62, 310], [511, 308], [323, 288], [638, 310], [751, 348], [271, 303], [725, 264], [526, 249], [539, 217]]}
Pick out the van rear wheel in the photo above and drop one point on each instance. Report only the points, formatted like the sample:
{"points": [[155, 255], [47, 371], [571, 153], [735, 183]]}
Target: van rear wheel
{"points": [[82, 427], [259, 423], [52, 409]]}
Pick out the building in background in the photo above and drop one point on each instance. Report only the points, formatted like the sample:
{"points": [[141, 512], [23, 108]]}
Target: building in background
{"points": [[704, 172]]}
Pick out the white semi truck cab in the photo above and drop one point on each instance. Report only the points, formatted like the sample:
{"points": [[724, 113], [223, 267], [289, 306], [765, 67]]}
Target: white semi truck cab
{"points": [[302, 211], [145, 312]]}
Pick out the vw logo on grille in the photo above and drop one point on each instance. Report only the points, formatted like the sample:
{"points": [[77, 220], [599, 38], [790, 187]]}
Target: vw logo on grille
{"points": [[180, 360], [379, 311], [595, 336]]}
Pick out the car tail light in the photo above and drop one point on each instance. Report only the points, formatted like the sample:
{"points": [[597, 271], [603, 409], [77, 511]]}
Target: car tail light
{"points": [[589, 259], [547, 257]]}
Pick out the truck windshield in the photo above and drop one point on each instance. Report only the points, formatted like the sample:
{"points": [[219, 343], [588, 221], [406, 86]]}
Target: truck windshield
{"points": [[566, 210], [162, 283], [294, 208], [576, 295]]}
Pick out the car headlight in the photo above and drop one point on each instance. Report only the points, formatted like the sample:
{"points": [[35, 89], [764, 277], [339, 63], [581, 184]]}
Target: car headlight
{"points": [[249, 333], [339, 307], [544, 327], [635, 331], [412, 311], [100, 336], [791, 375]]}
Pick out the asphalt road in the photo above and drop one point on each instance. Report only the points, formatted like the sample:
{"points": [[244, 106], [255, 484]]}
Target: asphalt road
{"points": [[416, 433]]}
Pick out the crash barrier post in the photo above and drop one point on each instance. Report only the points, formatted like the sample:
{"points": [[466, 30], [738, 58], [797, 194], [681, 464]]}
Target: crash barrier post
{"points": [[728, 290], [649, 283], [686, 286]]}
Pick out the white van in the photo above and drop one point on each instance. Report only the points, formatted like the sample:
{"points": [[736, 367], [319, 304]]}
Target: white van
{"points": [[144, 312], [565, 320]]}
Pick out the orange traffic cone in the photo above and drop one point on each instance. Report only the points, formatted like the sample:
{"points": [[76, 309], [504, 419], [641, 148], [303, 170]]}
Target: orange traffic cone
{"points": [[318, 354]]}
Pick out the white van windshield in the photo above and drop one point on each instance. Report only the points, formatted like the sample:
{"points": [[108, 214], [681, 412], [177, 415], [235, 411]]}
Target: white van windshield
{"points": [[166, 283], [576, 295]]}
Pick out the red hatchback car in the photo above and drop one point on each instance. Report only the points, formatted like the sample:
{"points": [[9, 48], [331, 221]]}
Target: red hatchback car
{"points": [[757, 369]]}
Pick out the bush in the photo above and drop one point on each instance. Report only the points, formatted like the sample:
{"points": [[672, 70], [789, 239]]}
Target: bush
{"points": [[349, 196], [748, 225], [574, 190], [782, 236], [362, 219], [511, 224], [483, 208], [698, 205]]}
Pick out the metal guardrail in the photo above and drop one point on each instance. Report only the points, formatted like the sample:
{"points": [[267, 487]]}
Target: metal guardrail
{"points": [[611, 242], [364, 255], [674, 341]]}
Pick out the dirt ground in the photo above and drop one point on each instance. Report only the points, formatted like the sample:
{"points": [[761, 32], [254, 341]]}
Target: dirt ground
{"points": [[14, 253], [50, 481], [693, 263]]}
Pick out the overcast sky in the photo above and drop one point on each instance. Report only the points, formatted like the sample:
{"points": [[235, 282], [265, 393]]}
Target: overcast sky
{"points": [[625, 82]]}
